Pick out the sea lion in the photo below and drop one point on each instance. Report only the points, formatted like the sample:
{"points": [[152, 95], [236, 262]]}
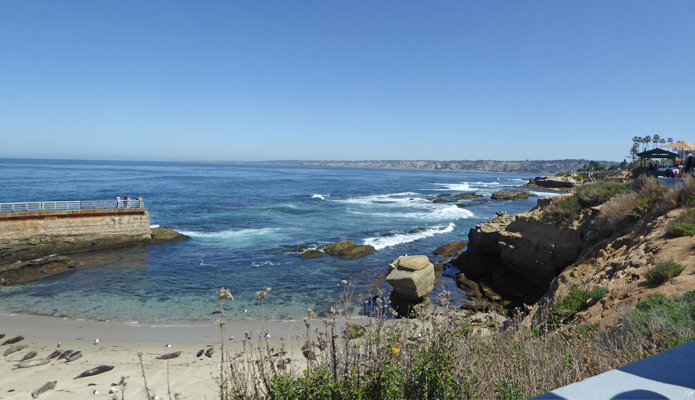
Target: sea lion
{"points": [[33, 363], [14, 349], [64, 354], [14, 340], [73, 356], [169, 356], [45, 388], [29, 356], [95, 371], [200, 353], [54, 355], [209, 352], [2, 335]]}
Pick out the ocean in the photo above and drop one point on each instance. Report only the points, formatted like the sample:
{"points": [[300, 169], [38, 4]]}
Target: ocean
{"points": [[247, 224]]}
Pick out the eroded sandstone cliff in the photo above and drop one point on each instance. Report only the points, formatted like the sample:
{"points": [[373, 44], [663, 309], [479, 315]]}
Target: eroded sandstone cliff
{"points": [[520, 259]]}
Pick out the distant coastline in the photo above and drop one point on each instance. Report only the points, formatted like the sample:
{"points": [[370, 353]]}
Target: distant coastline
{"points": [[527, 166]]}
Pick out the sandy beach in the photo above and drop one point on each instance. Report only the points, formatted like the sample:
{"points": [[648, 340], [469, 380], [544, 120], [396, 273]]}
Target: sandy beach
{"points": [[118, 346]]}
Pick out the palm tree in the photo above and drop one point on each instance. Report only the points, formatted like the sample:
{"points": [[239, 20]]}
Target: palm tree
{"points": [[656, 139], [670, 140]]}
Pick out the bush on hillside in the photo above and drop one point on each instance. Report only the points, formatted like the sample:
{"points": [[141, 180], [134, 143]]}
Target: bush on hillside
{"points": [[565, 210], [598, 193], [683, 225], [664, 271]]}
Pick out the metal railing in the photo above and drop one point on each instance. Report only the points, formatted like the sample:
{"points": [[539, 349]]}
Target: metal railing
{"points": [[69, 205]]}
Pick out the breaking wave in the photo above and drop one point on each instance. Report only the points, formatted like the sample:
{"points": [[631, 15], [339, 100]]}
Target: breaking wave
{"points": [[394, 240]]}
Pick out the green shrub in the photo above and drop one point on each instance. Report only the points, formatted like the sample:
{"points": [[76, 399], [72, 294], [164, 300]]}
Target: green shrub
{"points": [[683, 225], [664, 271], [594, 194], [598, 292], [675, 315], [565, 309], [565, 210], [682, 229], [581, 176]]}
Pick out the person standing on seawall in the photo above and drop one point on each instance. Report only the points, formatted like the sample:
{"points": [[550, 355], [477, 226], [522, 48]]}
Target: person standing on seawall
{"points": [[118, 200]]}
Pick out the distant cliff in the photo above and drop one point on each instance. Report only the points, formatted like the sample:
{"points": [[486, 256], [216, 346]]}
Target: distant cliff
{"points": [[528, 166]]}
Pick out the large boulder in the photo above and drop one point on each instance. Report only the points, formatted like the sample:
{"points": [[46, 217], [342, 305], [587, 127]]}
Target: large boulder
{"points": [[510, 195], [348, 249], [411, 276]]}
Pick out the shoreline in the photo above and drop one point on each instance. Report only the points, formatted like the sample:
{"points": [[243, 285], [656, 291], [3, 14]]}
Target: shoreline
{"points": [[119, 345]]}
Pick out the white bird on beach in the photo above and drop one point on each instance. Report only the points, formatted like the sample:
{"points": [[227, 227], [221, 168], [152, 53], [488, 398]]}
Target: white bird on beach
{"points": [[95, 392], [168, 345], [96, 341]]}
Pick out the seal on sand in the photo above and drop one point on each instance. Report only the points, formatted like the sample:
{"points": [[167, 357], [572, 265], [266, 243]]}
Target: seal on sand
{"points": [[74, 356], [169, 356], [29, 356], [95, 371], [33, 363], [14, 340], [14, 349]]}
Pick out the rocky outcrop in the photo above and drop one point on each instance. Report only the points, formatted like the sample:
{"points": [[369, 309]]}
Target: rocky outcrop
{"points": [[510, 195], [412, 278], [559, 182], [166, 235], [620, 264], [311, 254], [41, 246], [448, 198], [14, 250], [26, 271], [349, 250], [450, 249], [514, 258]]}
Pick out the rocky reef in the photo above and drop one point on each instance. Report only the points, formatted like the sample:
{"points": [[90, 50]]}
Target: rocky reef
{"points": [[349, 250], [39, 257], [26, 271]]}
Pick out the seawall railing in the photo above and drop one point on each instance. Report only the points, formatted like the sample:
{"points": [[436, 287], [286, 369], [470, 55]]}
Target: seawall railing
{"points": [[69, 205]]}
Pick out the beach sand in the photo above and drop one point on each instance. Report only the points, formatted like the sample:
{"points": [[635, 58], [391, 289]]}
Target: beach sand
{"points": [[119, 344]]}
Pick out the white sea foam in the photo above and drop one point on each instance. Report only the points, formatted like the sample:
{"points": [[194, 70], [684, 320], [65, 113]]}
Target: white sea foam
{"points": [[154, 226], [320, 196], [544, 194], [230, 234], [393, 199], [394, 240], [437, 213], [465, 186]]}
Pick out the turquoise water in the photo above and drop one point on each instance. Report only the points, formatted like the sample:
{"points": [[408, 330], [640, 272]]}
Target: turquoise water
{"points": [[246, 222]]}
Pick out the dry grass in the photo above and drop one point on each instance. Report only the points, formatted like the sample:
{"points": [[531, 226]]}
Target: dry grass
{"points": [[440, 356]]}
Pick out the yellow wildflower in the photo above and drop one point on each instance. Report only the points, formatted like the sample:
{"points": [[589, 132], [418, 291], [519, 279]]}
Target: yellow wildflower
{"points": [[395, 350]]}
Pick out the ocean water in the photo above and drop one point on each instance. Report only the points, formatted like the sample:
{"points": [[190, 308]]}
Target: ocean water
{"points": [[246, 223]]}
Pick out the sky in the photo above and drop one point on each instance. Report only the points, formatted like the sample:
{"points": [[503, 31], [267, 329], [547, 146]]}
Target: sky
{"points": [[343, 80]]}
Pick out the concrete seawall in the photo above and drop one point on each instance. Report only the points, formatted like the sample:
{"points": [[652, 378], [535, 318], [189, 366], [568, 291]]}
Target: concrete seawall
{"points": [[18, 226], [34, 234]]}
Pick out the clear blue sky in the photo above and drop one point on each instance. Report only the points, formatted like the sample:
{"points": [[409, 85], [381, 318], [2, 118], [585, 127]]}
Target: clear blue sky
{"points": [[343, 80]]}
